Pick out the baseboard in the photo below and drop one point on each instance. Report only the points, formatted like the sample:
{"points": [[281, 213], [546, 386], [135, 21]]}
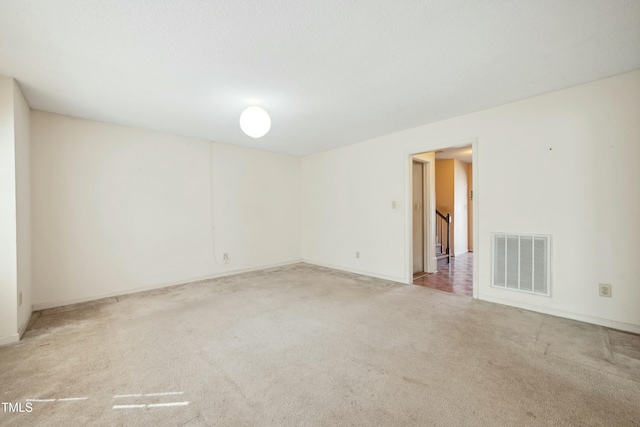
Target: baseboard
{"points": [[23, 328], [47, 305], [356, 271], [612, 324], [460, 253], [9, 339]]}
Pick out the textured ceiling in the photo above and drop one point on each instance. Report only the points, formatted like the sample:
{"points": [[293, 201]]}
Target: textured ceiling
{"points": [[329, 72]]}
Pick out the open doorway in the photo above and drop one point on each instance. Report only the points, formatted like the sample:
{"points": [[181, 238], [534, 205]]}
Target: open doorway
{"points": [[442, 219]]}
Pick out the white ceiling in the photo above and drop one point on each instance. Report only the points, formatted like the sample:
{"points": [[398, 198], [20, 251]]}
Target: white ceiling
{"points": [[329, 72], [464, 154]]}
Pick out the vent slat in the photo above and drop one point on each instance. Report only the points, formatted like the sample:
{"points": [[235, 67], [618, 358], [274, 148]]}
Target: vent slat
{"points": [[540, 266], [512, 262], [526, 263], [521, 262], [500, 265]]}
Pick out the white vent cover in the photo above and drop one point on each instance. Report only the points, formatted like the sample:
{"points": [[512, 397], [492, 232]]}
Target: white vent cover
{"points": [[522, 262]]}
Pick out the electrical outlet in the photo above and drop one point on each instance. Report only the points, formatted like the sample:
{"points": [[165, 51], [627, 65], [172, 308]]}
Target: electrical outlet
{"points": [[357, 254], [225, 257], [393, 204], [19, 299], [605, 290]]}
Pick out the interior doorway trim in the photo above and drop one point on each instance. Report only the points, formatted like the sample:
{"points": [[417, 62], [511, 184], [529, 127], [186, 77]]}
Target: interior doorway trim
{"points": [[428, 266], [408, 205]]}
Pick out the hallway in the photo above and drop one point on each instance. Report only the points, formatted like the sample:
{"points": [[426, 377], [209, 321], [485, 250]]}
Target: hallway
{"points": [[455, 278]]}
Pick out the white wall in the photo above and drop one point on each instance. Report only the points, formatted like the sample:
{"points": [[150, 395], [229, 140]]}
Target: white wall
{"points": [[460, 216], [23, 204], [347, 208], [552, 164], [118, 209], [15, 216], [469, 206], [8, 229]]}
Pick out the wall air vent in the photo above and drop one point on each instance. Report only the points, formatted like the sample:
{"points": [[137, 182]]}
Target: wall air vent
{"points": [[522, 262]]}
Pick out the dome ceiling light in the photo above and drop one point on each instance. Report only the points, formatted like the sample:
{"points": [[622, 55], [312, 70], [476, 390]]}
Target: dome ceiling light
{"points": [[255, 122]]}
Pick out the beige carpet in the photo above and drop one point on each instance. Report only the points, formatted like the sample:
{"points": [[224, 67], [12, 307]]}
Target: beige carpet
{"points": [[307, 346]]}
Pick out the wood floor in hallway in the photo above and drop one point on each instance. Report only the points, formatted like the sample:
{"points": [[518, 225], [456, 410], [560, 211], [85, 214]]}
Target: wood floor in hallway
{"points": [[455, 277]]}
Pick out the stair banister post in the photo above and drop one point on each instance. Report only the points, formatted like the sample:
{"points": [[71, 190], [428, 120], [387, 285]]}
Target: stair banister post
{"points": [[448, 238]]}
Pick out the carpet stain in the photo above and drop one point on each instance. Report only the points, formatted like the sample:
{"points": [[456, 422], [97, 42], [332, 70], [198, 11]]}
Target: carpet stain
{"points": [[411, 380]]}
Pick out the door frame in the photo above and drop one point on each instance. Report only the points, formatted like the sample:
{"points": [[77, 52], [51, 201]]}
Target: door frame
{"points": [[408, 237], [427, 250]]}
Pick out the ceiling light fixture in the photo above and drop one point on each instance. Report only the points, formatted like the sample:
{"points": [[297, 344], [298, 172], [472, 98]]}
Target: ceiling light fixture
{"points": [[255, 122]]}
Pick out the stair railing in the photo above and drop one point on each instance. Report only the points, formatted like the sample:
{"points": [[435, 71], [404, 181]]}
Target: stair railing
{"points": [[443, 222]]}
